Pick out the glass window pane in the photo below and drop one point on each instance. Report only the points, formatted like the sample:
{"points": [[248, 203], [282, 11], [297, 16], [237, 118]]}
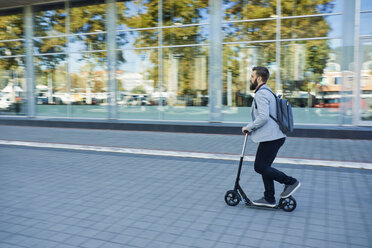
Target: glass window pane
{"points": [[136, 39], [49, 20], [366, 81], [365, 5], [89, 85], [137, 14], [330, 26], [50, 45], [11, 24], [249, 31], [80, 43], [51, 89], [245, 9], [296, 8], [238, 61], [137, 79], [177, 12], [365, 24], [185, 83], [311, 78], [13, 88], [185, 35], [87, 16], [11, 48]]}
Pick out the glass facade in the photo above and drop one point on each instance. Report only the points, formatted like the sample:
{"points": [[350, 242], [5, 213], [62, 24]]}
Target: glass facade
{"points": [[161, 59], [12, 63]]}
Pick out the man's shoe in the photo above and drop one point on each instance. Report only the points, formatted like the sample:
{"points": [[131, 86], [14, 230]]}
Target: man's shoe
{"points": [[263, 202], [289, 189]]}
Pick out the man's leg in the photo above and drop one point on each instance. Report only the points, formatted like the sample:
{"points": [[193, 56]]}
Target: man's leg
{"points": [[265, 156]]}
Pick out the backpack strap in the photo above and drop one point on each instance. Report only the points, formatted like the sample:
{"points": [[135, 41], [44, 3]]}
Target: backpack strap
{"points": [[255, 104]]}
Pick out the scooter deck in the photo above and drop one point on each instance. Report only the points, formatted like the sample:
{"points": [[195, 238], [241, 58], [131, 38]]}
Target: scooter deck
{"points": [[252, 205]]}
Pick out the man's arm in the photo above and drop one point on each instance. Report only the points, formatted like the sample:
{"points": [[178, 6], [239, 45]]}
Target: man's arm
{"points": [[263, 111]]}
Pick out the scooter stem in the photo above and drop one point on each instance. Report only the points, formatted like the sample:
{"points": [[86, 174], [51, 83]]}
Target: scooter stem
{"points": [[245, 143], [241, 162]]}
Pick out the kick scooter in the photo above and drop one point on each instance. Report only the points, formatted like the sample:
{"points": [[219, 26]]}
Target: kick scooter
{"points": [[233, 197]]}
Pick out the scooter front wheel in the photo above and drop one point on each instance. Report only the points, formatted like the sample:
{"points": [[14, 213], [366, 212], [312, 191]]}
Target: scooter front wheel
{"points": [[232, 198], [288, 204]]}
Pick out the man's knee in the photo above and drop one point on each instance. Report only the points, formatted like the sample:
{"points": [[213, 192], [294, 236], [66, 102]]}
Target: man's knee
{"points": [[258, 169], [265, 172]]}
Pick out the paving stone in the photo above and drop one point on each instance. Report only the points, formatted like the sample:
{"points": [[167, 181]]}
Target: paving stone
{"points": [[92, 243], [64, 198]]}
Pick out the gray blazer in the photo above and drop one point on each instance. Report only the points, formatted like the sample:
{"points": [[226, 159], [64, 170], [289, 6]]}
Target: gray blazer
{"points": [[262, 127]]}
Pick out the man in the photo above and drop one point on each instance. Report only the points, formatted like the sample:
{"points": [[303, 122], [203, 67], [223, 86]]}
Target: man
{"points": [[265, 131]]}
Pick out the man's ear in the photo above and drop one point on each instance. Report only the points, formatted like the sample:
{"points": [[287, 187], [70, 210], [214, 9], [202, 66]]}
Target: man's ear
{"points": [[259, 79]]}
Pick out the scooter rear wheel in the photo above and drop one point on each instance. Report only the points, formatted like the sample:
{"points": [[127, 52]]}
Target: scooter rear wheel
{"points": [[288, 204], [232, 198]]}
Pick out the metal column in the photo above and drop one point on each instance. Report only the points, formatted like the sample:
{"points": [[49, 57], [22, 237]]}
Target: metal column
{"points": [[347, 56], [356, 82], [278, 27], [160, 60], [215, 61], [111, 58], [69, 61], [28, 24]]}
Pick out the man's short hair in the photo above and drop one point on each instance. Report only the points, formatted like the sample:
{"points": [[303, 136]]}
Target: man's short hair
{"points": [[262, 72]]}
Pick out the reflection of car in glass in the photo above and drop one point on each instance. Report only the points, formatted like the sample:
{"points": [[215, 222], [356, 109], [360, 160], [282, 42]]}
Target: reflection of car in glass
{"points": [[135, 100], [5, 103], [337, 103], [328, 103], [42, 100], [45, 100], [65, 98], [158, 100]]}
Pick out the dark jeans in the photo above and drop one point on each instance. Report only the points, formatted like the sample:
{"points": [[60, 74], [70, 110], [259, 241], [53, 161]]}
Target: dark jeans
{"points": [[265, 156]]}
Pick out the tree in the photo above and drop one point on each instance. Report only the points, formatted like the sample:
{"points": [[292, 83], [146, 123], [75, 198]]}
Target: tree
{"points": [[11, 27], [316, 51], [84, 18], [174, 13]]}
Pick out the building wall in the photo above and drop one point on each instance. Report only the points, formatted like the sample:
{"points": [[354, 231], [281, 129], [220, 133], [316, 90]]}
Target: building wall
{"points": [[163, 66]]}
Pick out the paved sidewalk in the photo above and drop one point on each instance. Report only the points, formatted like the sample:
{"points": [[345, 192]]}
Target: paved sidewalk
{"points": [[63, 198], [310, 148]]}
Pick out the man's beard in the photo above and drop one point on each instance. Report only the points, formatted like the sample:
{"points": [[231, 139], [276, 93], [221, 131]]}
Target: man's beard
{"points": [[254, 85]]}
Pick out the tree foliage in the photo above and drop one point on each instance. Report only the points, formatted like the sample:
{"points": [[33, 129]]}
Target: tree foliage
{"points": [[174, 12], [316, 50], [145, 14], [11, 28]]}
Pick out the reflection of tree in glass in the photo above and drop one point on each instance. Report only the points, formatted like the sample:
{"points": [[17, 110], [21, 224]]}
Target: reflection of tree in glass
{"points": [[174, 13], [84, 18], [91, 18], [316, 51], [48, 23], [11, 27]]}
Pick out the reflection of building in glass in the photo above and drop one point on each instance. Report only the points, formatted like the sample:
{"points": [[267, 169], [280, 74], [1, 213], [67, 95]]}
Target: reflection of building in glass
{"points": [[171, 77], [249, 57], [294, 62], [332, 72], [131, 80], [337, 85], [200, 78], [366, 86]]}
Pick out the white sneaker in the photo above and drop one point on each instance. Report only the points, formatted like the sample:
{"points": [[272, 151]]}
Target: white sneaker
{"points": [[263, 202], [290, 189]]}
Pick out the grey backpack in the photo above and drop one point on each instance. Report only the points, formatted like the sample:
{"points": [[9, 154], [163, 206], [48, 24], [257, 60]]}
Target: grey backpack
{"points": [[283, 113]]}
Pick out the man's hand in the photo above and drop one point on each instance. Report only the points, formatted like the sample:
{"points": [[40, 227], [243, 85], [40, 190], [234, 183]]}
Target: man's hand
{"points": [[245, 130]]}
